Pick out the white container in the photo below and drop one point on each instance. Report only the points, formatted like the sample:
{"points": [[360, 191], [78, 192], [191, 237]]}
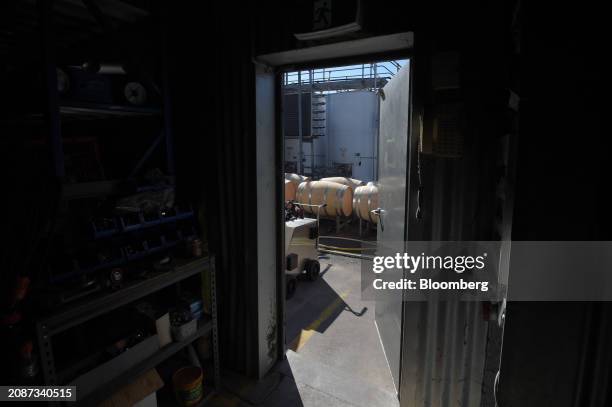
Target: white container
{"points": [[162, 325]]}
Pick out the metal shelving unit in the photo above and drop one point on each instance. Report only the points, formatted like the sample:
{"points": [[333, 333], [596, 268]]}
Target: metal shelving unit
{"points": [[56, 110], [82, 312], [121, 225], [105, 110], [164, 353]]}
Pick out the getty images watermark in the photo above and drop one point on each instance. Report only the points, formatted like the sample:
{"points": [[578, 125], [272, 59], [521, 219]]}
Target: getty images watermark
{"points": [[487, 271], [420, 270], [411, 264]]}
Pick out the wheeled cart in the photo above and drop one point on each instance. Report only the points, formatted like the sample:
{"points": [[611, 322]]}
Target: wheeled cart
{"points": [[301, 251]]}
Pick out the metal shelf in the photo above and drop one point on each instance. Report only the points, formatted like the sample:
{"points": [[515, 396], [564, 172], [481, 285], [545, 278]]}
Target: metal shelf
{"points": [[122, 226], [103, 110], [115, 383], [79, 313], [87, 310], [124, 257]]}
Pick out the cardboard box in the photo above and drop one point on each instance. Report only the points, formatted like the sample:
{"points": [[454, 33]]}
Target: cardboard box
{"points": [[141, 392]]}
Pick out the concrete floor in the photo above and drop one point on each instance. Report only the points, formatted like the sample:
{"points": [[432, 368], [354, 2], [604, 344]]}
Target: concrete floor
{"points": [[335, 356], [328, 322]]}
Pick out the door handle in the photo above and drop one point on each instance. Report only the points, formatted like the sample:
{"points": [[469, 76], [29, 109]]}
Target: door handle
{"points": [[379, 212]]}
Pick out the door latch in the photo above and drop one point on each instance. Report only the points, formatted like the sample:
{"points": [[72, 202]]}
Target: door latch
{"points": [[379, 212]]}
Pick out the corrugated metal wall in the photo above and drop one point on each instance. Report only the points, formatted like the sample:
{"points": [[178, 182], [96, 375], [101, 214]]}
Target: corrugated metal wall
{"points": [[446, 354], [213, 88], [443, 365], [445, 342]]}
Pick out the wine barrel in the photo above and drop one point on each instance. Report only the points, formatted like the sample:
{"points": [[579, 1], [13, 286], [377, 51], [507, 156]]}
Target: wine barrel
{"points": [[349, 182], [338, 198], [290, 189], [297, 179], [365, 200]]}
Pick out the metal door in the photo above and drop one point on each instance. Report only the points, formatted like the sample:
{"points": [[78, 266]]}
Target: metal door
{"points": [[392, 170]]}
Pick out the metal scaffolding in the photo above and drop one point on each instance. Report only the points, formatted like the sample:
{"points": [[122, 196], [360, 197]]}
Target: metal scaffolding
{"points": [[368, 76]]}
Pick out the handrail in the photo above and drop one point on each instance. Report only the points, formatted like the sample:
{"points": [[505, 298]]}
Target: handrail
{"points": [[365, 71]]}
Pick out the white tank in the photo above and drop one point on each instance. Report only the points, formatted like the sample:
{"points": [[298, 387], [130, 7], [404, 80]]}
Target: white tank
{"points": [[352, 131]]}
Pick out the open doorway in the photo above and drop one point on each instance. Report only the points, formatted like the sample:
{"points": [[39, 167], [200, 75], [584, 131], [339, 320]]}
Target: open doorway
{"points": [[340, 162]]}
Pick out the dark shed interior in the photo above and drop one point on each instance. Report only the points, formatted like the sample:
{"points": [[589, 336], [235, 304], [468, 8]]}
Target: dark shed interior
{"points": [[185, 133]]}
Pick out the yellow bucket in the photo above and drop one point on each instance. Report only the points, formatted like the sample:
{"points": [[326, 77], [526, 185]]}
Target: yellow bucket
{"points": [[187, 383]]}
